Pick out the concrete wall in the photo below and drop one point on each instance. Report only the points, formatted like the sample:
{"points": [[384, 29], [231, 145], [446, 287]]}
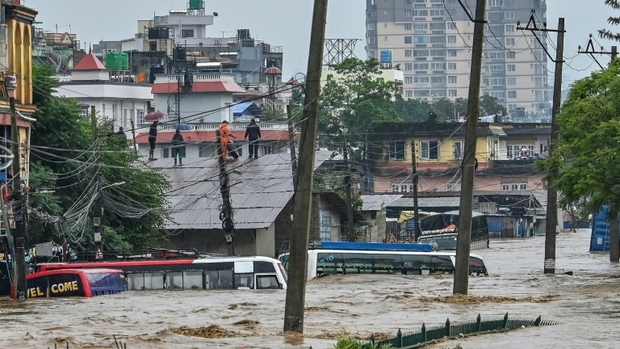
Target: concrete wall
{"points": [[196, 103]]}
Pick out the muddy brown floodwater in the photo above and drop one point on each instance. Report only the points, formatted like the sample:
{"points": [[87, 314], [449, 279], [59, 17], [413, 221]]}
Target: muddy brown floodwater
{"points": [[586, 304]]}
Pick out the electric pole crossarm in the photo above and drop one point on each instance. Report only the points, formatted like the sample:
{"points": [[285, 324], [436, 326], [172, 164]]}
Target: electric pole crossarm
{"points": [[533, 29]]}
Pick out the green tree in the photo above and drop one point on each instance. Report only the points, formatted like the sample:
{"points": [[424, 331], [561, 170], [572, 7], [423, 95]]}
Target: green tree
{"points": [[489, 106], [65, 161], [585, 161], [613, 20], [413, 110], [353, 101]]}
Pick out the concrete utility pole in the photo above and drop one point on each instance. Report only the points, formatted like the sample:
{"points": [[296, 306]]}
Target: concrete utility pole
{"points": [[414, 179], [552, 195], [98, 204], [227, 214], [19, 209], [461, 270], [348, 194], [302, 204], [291, 143]]}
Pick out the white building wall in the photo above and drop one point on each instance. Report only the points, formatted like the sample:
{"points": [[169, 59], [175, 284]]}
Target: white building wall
{"points": [[196, 107]]}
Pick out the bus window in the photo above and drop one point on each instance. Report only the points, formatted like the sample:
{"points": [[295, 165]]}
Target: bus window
{"points": [[416, 264], [154, 281], [135, 281], [357, 263], [192, 280], [267, 281], [328, 263], [284, 260], [220, 279], [387, 263], [244, 280], [442, 265], [264, 267], [174, 280]]}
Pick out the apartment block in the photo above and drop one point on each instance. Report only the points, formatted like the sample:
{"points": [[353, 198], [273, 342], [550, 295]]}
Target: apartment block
{"points": [[431, 40]]}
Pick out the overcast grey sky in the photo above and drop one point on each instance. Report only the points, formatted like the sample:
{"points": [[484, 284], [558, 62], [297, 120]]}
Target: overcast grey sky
{"points": [[287, 23]]}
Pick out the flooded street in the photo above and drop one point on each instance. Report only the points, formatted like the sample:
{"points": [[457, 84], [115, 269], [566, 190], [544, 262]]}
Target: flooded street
{"points": [[586, 304]]}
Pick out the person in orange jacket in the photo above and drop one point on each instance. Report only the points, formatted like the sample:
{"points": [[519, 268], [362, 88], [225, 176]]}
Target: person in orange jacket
{"points": [[224, 135]]}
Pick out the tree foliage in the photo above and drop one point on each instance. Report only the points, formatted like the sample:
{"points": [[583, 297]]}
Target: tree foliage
{"points": [[613, 20], [65, 159], [354, 100], [585, 161]]}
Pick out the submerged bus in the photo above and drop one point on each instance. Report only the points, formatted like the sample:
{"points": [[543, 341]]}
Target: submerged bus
{"points": [[195, 274], [322, 262], [74, 283]]}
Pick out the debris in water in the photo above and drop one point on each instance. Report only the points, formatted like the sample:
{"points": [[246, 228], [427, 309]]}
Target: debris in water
{"points": [[212, 331], [466, 299]]}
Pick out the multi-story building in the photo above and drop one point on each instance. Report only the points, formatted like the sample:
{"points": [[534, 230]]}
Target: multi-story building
{"points": [[431, 41], [116, 98], [16, 82]]}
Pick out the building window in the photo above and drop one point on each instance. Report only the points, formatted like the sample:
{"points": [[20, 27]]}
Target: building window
{"points": [[514, 186], [408, 80], [408, 26], [408, 53], [372, 26], [165, 152], [397, 150], [408, 66], [84, 111], [452, 39], [514, 152], [512, 94], [408, 94], [429, 150], [458, 150], [450, 26], [408, 13], [205, 152], [451, 66], [510, 54], [371, 40], [408, 40], [509, 15], [510, 41], [140, 113], [510, 28], [451, 93], [511, 67], [511, 81], [451, 79], [451, 53], [402, 188], [187, 33]]}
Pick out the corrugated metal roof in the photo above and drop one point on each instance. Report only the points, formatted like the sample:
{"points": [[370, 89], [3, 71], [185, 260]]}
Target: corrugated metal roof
{"points": [[374, 202], [259, 190], [446, 201]]}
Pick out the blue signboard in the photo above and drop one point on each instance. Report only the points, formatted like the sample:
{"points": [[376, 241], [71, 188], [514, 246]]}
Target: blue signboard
{"points": [[386, 56]]}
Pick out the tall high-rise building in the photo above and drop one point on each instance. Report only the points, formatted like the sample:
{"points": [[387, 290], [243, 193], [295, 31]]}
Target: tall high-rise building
{"points": [[430, 40]]}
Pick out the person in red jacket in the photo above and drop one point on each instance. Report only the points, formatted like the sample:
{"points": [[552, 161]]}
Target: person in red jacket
{"points": [[225, 135]]}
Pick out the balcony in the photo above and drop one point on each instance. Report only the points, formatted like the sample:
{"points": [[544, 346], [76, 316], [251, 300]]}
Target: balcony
{"points": [[198, 77]]}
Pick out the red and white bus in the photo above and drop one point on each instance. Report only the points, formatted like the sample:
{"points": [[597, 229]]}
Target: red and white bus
{"points": [[74, 283], [182, 274]]}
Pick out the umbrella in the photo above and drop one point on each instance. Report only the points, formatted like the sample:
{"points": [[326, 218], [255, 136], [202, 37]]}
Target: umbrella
{"points": [[154, 116], [183, 126]]}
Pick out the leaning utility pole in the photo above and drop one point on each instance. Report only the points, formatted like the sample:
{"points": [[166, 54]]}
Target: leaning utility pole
{"points": [[227, 213], [98, 204], [551, 225], [414, 179], [461, 270], [19, 209], [348, 194], [302, 203]]}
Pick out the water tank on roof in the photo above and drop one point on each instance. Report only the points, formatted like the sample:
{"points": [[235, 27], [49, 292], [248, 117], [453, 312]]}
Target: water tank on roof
{"points": [[156, 69], [386, 56], [180, 54], [196, 4], [117, 60], [247, 43], [243, 34]]}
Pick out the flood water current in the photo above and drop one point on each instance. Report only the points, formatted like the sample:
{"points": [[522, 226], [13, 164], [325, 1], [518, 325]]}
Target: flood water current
{"points": [[586, 305]]}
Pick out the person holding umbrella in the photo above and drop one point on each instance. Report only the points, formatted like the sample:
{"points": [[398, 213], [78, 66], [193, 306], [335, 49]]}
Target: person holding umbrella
{"points": [[154, 117], [152, 139], [177, 147]]}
